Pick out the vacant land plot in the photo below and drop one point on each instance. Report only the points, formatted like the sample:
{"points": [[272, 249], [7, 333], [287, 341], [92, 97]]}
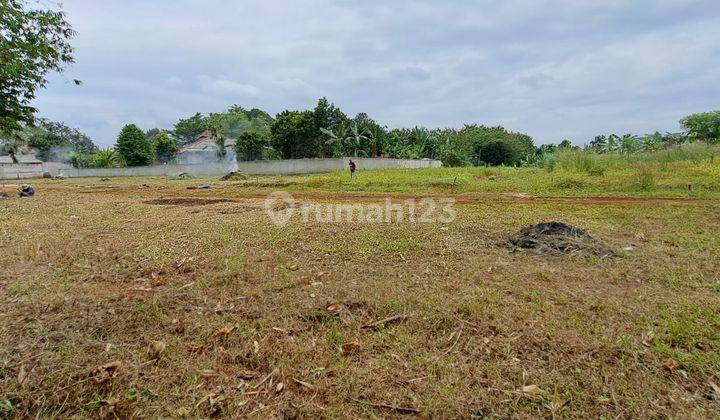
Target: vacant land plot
{"points": [[141, 297]]}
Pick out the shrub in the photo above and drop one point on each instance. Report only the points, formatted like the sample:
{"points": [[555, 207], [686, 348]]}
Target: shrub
{"points": [[646, 178], [577, 160], [108, 158], [498, 152], [597, 171], [165, 147], [568, 184], [453, 157], [81, 160]]}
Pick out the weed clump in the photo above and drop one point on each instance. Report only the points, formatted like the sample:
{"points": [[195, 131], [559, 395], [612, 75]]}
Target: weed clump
{"points": [[646, 179], [234, 176], [569, 184]]}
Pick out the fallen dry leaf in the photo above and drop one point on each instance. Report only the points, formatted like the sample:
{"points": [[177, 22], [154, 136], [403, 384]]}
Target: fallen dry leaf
{"points": [[246, 374], [24, 375], [196, 348], [530, 390], [338, 306], [279, 387], [303, 383], [382, 322], [671, 364], [106, 372], [223, 332], [155, 349], [403, 410], [714, 393], [351, 347]]}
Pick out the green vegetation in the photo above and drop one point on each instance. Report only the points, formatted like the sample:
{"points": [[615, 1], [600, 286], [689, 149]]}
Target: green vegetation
{"points": [[684, 171], [165, 147], [134, 147], [704, 126], [33, 43], [56, 141], [251, 145]]}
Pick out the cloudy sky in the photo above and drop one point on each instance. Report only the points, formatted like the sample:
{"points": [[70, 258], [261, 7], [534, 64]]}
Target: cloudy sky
{"points": [[551, 68]]}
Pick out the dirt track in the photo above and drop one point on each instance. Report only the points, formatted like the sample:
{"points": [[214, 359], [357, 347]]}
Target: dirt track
{"points": [[223, 192]]}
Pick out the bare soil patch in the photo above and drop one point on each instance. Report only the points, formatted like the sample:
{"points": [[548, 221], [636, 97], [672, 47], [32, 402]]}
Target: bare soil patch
{"points": [[189, 202]]}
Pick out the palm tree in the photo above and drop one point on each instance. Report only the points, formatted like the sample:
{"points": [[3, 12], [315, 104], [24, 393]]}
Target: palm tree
{"points": [[107, 158]]}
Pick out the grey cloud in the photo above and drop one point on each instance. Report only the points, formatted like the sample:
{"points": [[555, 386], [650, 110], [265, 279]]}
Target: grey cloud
{"points": [[552, 68]]}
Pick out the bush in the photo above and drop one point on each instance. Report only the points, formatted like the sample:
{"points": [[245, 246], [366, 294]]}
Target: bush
{"points": [[82, 160], [453, 157], [646, 178], [108, 158], [569, 184], [134, 147], [499, 152], [577, 160], [165, 147]]}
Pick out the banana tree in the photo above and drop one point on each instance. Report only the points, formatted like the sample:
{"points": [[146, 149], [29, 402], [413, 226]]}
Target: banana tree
{"points": [[356, 138], [335, 140], [628, 144]]}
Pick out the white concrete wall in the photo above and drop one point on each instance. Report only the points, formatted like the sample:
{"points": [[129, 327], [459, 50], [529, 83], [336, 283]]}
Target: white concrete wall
{"points": [[258, 167], [21, 170]]}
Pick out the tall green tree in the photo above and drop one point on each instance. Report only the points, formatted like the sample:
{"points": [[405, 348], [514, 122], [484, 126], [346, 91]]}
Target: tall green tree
{"points": [[704, 126], [165, 147], [187, 129], [294, 134], [250, 145], [33, 42], [134, 147], [328, 118]]}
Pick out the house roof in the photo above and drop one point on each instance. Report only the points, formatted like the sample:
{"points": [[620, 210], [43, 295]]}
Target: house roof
{"points": [[205, 141], [29, 158]]}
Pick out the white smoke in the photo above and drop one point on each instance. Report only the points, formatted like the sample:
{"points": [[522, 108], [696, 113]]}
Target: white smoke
{"points": [[60, 154], [208, 159]]}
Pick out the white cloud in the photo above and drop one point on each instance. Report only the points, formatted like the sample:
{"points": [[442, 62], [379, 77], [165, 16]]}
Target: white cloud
{"points": [[551, 68], [225, 87]]}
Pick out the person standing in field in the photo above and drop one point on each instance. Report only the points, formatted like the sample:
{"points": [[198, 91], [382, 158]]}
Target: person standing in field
{"points": [[352, 168]]}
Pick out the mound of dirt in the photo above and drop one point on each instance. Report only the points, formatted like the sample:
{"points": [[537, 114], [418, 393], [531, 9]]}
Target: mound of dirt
{"points": [[558, 238]]}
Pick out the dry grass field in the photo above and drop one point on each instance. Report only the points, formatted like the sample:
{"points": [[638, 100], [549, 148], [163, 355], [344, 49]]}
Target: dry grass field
{"points": [[139, 297]]}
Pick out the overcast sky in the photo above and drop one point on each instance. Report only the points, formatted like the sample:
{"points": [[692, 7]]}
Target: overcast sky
{"points": [[551, 68]]}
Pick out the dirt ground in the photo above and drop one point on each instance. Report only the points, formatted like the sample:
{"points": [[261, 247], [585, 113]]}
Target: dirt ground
{"points": [[148, 299]]}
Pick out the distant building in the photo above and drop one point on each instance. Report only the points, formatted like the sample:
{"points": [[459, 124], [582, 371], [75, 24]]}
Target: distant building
{"points": [[24, 155], [205, 149]]}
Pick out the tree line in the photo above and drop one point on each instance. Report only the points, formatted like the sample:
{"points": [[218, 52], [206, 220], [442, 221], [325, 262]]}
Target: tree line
{"points": [[326, 131]]}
